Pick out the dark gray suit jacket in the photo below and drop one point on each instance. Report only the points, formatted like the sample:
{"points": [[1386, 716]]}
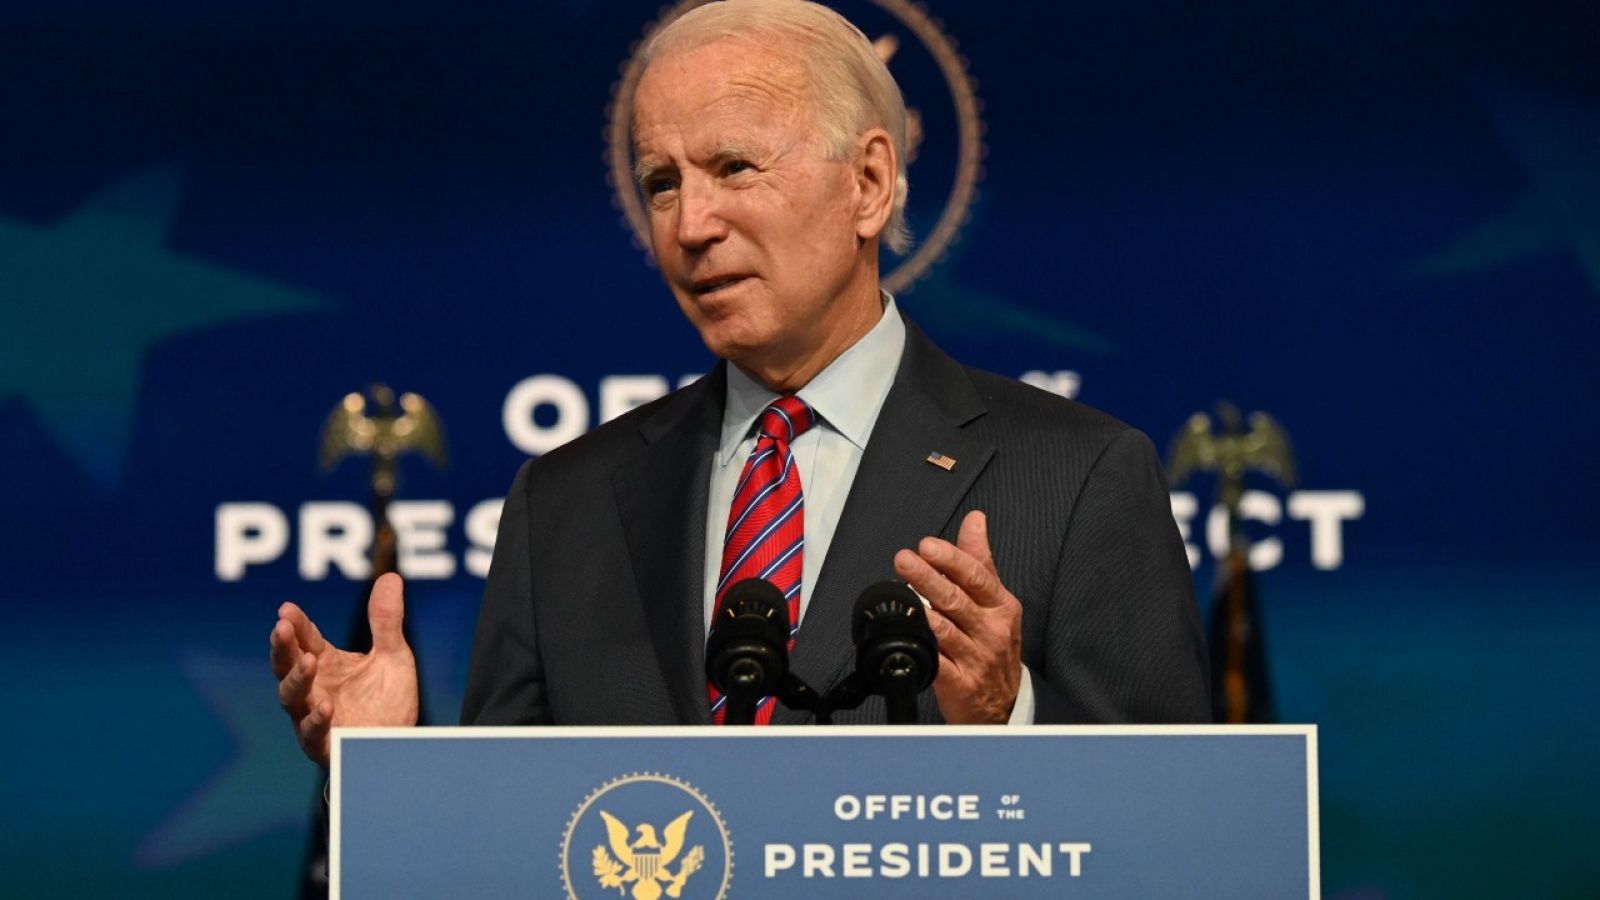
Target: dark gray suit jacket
{"points": [[592, 614]]}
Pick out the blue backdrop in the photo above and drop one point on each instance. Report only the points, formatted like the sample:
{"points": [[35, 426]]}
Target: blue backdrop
{"points": [[1379, 222]]}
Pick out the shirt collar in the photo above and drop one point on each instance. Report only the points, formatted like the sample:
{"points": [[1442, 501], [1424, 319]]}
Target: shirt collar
{"points": [[846, 395]]}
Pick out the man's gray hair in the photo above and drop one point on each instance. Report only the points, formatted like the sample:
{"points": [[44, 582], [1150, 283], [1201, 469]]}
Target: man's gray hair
{"points": [[851, 87]]}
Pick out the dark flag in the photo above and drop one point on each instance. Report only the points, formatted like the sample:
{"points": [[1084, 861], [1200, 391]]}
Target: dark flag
{"points": [[1241, 692]]}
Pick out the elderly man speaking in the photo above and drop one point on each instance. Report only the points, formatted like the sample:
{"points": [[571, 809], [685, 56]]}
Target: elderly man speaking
{"points": [[834, 447]]}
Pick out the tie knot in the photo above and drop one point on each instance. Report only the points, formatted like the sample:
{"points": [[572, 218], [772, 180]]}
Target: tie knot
{"points": [[786, 418]]}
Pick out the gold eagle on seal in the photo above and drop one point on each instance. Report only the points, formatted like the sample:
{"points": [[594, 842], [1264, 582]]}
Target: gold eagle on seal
{"points": [[646, 862]]}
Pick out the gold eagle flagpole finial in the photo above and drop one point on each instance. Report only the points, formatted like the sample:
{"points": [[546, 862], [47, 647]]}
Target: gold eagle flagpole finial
{"points": [[379, 425]]}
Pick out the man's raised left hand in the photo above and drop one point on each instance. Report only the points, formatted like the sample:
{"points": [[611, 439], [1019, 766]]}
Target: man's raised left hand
{"points": [[977, 621]]}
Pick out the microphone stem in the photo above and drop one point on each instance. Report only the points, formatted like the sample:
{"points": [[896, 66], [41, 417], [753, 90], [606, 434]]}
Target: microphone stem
{"points": [[740, 710], [902, 707]]}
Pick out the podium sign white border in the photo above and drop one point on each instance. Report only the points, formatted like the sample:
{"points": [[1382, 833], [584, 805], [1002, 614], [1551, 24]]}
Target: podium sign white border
{"points": [[948, 732]]}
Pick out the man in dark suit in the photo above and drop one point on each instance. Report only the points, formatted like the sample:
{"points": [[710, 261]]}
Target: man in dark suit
{"points": [[770, 149], [591, 619]]}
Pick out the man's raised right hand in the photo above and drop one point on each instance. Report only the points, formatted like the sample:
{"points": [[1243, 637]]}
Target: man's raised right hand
{"points": [[321, 686]]}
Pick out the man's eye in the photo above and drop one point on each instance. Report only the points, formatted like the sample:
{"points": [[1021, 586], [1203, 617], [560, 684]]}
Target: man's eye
{"points": [[655, 186], [735, 166]]}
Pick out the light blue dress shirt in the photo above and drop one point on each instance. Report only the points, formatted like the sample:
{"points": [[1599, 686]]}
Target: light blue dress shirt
{"points": [[846, 397]]}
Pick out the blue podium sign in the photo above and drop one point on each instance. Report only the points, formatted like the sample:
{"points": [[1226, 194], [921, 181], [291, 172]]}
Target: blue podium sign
{"points": [[683, 813]]}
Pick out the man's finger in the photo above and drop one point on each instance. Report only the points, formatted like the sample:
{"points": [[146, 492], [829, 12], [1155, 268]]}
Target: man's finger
{"points": [[386, 614], [294, 691], [953, 642], [305, 631], [974, 540], [285, 650], [314, 730], [977, 581], [941, 593]]}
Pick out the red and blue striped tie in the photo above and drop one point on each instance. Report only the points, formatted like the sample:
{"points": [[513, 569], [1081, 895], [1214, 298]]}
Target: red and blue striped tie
{"points": [[767, 524]]}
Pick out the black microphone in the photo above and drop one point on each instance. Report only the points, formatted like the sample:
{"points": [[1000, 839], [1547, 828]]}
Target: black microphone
{"points": [[897, 655], [747, 652]]}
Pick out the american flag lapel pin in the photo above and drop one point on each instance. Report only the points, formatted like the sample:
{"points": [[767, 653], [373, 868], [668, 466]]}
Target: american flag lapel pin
{"points": [[944, 462]]}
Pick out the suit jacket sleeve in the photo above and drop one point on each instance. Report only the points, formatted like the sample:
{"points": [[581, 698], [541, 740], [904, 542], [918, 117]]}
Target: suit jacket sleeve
{"points": [[1123, 641], [506, 683]]}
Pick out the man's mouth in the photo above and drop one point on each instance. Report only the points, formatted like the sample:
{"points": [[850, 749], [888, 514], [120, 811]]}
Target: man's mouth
{"points": [[706, 287]]}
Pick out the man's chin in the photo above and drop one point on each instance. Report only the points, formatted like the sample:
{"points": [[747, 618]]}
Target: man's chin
{"points": [[733, 339], [754, 358], [743, 355]]}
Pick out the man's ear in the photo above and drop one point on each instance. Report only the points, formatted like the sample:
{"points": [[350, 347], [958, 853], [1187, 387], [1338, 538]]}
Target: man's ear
{"points": [[876, 167]]}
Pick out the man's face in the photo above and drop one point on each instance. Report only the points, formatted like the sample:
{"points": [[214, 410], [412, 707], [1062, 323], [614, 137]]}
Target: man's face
{"points": [[753, 227]]}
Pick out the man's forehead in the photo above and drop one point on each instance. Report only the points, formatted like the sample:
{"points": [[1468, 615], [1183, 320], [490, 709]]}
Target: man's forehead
{"points": [[727, 79]]}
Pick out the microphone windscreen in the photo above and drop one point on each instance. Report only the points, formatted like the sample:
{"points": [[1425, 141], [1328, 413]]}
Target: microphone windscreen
{"points": [[753, 600], [895, 647], [887, 604], [747, 651]]}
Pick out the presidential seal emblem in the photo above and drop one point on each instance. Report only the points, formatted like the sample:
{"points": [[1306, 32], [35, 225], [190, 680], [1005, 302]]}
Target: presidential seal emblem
{"points": [[944, 131], [646, 836]]}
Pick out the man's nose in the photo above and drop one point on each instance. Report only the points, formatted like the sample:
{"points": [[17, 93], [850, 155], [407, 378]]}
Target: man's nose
{"points": [[700, 215]]}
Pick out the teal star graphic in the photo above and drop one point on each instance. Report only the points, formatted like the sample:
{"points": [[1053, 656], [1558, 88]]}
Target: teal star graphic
{"points": [[1558, 145], [85, 298], [266, 786], [945, 306]]}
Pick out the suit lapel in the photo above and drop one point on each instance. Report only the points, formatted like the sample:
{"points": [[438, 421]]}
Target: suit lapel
{"points": [[897, 498], [662, 498]]}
